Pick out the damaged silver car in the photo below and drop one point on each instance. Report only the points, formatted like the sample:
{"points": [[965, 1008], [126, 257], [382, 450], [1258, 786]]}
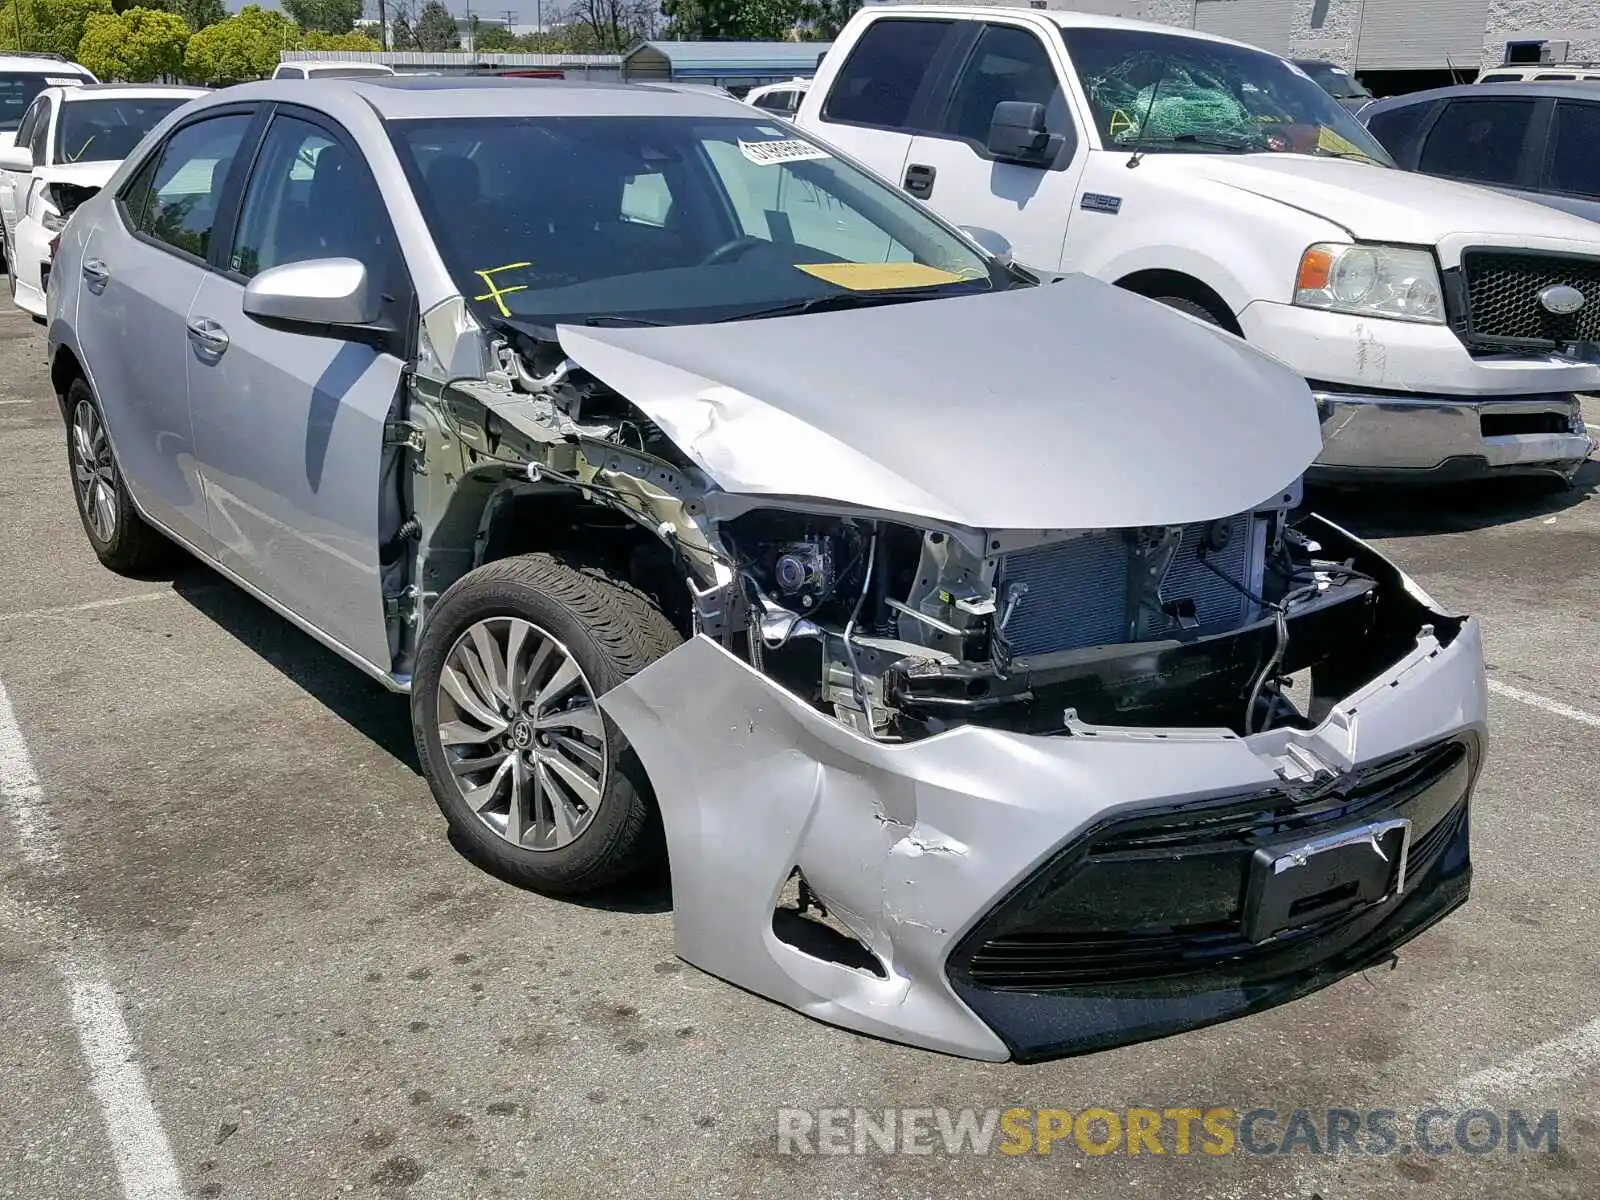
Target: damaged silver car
{"points": [[957, 635]]}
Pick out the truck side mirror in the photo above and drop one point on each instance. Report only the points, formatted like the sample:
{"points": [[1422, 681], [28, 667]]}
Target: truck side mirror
{"points": [[1017, 134]]}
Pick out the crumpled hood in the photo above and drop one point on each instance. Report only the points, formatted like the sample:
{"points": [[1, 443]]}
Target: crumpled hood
{"points": [[1071, 405], [82, 174], [1379, 204]]}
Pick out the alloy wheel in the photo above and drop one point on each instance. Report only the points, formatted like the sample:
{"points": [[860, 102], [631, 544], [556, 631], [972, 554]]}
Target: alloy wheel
{"points": [[94, 473], [521, 733]]}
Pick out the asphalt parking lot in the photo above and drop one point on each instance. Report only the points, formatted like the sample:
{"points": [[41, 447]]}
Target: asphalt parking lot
{"points": [[239, 957]]}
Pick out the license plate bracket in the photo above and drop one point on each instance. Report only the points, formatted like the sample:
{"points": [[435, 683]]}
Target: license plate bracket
{"points": [[1292, 884]]}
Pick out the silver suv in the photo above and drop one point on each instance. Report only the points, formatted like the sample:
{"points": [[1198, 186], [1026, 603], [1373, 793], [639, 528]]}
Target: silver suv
{"points": [[703, 489]]}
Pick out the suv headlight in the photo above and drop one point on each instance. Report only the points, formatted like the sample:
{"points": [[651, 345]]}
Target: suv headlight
{"points": [[1399, 282]]}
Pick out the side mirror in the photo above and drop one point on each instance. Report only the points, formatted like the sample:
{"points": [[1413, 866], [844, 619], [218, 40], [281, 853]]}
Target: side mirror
{"points": [[16, 158], [327, 297], [1017, 134], [995, 244]]}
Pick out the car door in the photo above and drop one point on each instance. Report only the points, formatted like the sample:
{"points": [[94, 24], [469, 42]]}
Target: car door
{"points": [[289, 427], [1571, 178], [875, 103], [142, 264], [952, 170], [14, 184]]}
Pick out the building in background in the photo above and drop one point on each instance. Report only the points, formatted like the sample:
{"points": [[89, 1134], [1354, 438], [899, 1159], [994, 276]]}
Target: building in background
{"points": [[733, 65], [1394, 45]]}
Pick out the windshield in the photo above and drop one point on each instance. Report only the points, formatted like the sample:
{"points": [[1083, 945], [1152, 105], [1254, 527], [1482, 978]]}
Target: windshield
{"points": [[1336, 81], [667, 219], [108, 130], [17, 90], [1160, 91]]}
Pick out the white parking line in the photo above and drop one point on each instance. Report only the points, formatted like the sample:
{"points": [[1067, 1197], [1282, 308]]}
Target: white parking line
{"points": [[62, 610], [138, 1143], [1541, 702], [1561, 1058]]}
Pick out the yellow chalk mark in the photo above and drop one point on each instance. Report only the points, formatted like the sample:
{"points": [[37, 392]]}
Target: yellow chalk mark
{"points": [[872, 277], [1121, 122], [495, 291]]}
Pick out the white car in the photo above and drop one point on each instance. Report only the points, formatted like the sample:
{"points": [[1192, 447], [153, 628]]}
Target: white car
{"points": [[1445, 329], [70, 141], [23, 77], [780, 98], [330, 69]]}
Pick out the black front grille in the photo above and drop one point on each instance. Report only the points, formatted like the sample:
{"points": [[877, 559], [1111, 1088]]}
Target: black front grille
{"points": [[1503, 308], [1160, 897]]}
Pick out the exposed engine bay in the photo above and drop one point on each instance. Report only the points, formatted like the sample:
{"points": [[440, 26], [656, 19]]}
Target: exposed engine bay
{"points": [[902, 630]]}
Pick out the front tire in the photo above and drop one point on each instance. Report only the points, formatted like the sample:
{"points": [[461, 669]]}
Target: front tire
{"points": [[1193, 307], [117, 533], [525, 767]]}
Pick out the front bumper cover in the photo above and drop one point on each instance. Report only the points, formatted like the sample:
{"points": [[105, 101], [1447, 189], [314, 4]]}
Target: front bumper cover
{"points": [[921, 849]]}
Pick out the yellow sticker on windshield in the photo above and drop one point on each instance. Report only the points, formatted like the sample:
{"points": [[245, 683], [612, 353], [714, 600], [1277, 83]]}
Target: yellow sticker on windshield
{"points": [[872, 277], [495, 290], [1327, 139]]}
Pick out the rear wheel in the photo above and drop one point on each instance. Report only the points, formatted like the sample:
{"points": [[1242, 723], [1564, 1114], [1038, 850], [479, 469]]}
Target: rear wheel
{"points": [[522, 762], [118, 535]]}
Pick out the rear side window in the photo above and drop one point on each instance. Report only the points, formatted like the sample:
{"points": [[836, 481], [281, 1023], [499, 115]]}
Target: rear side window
{"points": [[288, 73], [779, 102], [186, 186], [885, 70], [1007, 63], [1574, 164], [1478, 140], [1395, 127], [1500, 79], [1542, 77]]}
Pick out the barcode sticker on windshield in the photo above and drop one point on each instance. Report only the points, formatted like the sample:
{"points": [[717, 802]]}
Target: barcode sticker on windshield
{"points": [[766, 154]]}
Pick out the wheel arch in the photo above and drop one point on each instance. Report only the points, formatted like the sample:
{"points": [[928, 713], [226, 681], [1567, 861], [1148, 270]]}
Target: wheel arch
{"points": [[1158, 282], [64, 369]]}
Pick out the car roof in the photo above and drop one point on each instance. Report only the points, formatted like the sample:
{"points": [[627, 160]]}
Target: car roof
{"points": [[27, 64], [111, 91], [401, 97], [1065, 18], [1537, 91]]}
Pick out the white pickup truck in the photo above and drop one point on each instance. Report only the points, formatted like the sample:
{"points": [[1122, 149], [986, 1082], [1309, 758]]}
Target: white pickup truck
{"points": [[1444, 329]]}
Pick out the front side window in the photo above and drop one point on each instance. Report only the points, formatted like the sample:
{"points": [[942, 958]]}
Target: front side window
{"points": [[185, 187], [1395, 127], [1007, 63], [779, 102], [885, 70], [309, 197], [1478, 140], [108, 130], [1574, 165], [39, 138], [29, 119], [1169, 92], [667, 219]]}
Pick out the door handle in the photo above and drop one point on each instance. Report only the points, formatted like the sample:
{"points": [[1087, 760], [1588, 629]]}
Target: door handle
{"points": [[207, 335], [919, 180], [95, 273]]}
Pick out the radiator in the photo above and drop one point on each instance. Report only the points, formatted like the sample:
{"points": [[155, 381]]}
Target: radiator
{"points": [[1078, 590]]}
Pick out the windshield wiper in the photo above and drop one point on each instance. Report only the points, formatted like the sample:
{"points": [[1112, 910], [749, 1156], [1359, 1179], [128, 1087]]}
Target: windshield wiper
{"points": [[1209, 140], [843, 300], [619, 319]]}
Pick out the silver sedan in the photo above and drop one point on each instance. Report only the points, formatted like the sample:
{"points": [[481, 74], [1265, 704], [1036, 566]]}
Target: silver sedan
{"points": [[709, 496]]}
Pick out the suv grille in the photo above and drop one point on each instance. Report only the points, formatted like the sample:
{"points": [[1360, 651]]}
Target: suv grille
{"points": [[1503, 309]]}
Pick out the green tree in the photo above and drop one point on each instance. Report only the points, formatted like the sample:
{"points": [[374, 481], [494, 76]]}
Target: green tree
{"points": [[436, 28], [324, 16], [137, 45], [197, 14], [825, 18], [52, 26], [340, 41], [496, 38], [245, 46], [401, 36]]}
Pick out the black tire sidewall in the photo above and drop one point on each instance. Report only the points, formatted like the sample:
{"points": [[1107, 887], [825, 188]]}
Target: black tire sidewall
{"points": [[626, 820], [119, 551]]}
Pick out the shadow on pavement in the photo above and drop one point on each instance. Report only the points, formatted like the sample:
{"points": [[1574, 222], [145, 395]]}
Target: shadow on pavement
{"points": [[1398, 512], [378, 715]]}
